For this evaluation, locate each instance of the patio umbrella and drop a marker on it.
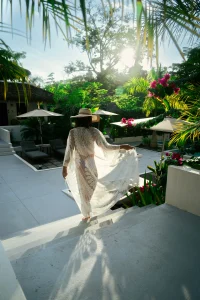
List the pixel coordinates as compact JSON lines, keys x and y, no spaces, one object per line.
{"x":102,"y":112}
{"x":37,"y":113}
{"x":168,"y":125}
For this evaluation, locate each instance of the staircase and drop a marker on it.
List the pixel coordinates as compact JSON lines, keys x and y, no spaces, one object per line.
{"x":6,"y":148}
{"x":138,"y":253}
{"x":22,"y":250}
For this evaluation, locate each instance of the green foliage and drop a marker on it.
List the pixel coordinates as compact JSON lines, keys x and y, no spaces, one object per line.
{"x":146,"y":141}
{"x":160,"y":171}
{"x":128,"y":102}
{"x":136,"y":86}
{"x":151,"y":106}
{"x":10,"y":67}
{"x":149,"y":193}
{"x":189,"y":70}
{"x":78,"y":94}
{"x":31,"y":129}
{"x":190,"y":95}
{"x":132,"y":95}
{"x":193,"y":163}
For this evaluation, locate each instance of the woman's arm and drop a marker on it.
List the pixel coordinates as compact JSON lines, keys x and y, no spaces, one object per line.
{"x":68,"y":153}
{"x":101,"y":142}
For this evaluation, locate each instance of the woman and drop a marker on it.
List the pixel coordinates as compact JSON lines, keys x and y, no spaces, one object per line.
{"x":98,"y":174}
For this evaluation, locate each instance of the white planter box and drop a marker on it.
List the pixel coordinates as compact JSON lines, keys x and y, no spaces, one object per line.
{"x":183,"y":189}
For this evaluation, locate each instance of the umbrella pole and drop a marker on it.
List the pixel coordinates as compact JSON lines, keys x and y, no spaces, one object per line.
{"x":163,"y":145}
{"x":40,"y":130}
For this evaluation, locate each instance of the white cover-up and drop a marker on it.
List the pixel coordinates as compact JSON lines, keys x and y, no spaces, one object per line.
{"x":99,"y":173}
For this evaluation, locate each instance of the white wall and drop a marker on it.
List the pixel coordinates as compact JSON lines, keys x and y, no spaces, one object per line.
{"x":183,"y":189}
{"x":4,"y":135}
{"x":15,"y":131}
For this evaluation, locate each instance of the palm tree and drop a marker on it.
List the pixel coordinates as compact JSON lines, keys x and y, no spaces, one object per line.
{"x":190,"y":131}
{"x":62,"y":12}
{"x":155,"y":20}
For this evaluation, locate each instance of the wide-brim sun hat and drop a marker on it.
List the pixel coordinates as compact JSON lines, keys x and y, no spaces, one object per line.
{"x":86,"y":112}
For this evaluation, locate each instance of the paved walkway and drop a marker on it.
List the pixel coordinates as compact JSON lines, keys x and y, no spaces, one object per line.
{"x":29,"y":198}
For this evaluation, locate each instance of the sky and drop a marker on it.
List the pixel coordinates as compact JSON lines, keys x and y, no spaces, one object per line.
{"x":42,"y":61}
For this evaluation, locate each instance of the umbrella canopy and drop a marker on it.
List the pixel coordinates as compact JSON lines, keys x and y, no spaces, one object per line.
{"x":104,"y":113}
{"x":39,"y":113}
{"x":168,"y":125}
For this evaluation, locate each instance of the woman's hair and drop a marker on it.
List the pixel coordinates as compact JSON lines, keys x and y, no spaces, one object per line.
{"x":83,"y":122}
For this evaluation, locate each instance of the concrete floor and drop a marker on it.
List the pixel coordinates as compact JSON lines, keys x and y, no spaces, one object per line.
{"x":29,"y":199}
{"x":150,"y":255}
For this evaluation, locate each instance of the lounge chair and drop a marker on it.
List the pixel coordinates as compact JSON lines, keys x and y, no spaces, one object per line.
{"x":58,"y":146}
{"x":30,"y":150}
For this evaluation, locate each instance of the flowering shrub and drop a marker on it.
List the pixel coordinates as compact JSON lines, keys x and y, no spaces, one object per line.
{"x":127,"y":121}
{"x":161,"y":87}
{"x":149,"y":193}
{"x":174,"y":159}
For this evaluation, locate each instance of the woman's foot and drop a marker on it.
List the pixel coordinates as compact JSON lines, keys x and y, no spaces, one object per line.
{"x":85,"y":218}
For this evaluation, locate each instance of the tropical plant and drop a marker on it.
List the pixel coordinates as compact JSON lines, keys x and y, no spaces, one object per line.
{"x":191,"y":130}
{"x":149,"y":193}
{"x":30,"y":130}
{"x":161,"y":168}
{"x":61,"y":12}
{"x":161,"y":90}
{"x":161,"y":20}
{"x":193,"y":163}
{"x":10,"y":66}
{"x":133,"y":94}
{"x":189,"y":70}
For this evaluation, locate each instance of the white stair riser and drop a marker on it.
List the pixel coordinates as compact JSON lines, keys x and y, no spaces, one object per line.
{"x":6,"y":149}
{"x":6,"y":153}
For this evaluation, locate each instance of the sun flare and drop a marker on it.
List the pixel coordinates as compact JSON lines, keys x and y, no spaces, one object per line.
{"x":127,"y":57}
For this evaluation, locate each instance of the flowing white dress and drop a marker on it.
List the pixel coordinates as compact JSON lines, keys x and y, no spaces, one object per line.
{"x":99,"y":173}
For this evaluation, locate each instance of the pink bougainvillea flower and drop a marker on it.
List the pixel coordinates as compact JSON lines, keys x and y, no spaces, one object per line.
{"x":153,"y":184}
{"x":153,"y":84}
{"x":129,"y":122}
{"x":167,"y":76}
{"x":131,"y":119}
{"x":176,"y":90}
{"x":163,"y":81}
{"x":150,"y":94}
{"x":167,"y":154}
{"x":123,"y":120}
{"x":180,"y":161}
{"x":176,"y":156}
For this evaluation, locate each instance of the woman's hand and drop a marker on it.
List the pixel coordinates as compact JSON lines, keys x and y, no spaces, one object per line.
{"x":64,"y":172}
{"x":126,"y":147}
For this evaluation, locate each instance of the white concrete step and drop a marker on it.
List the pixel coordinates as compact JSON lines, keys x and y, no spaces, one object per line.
{"x":6,"y":149}
{"x":7,"y":153}
{"x":10,"y":288}
{"x":62,"y":230}
{"x":59,"y":269}
{"x":4,"y":144}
